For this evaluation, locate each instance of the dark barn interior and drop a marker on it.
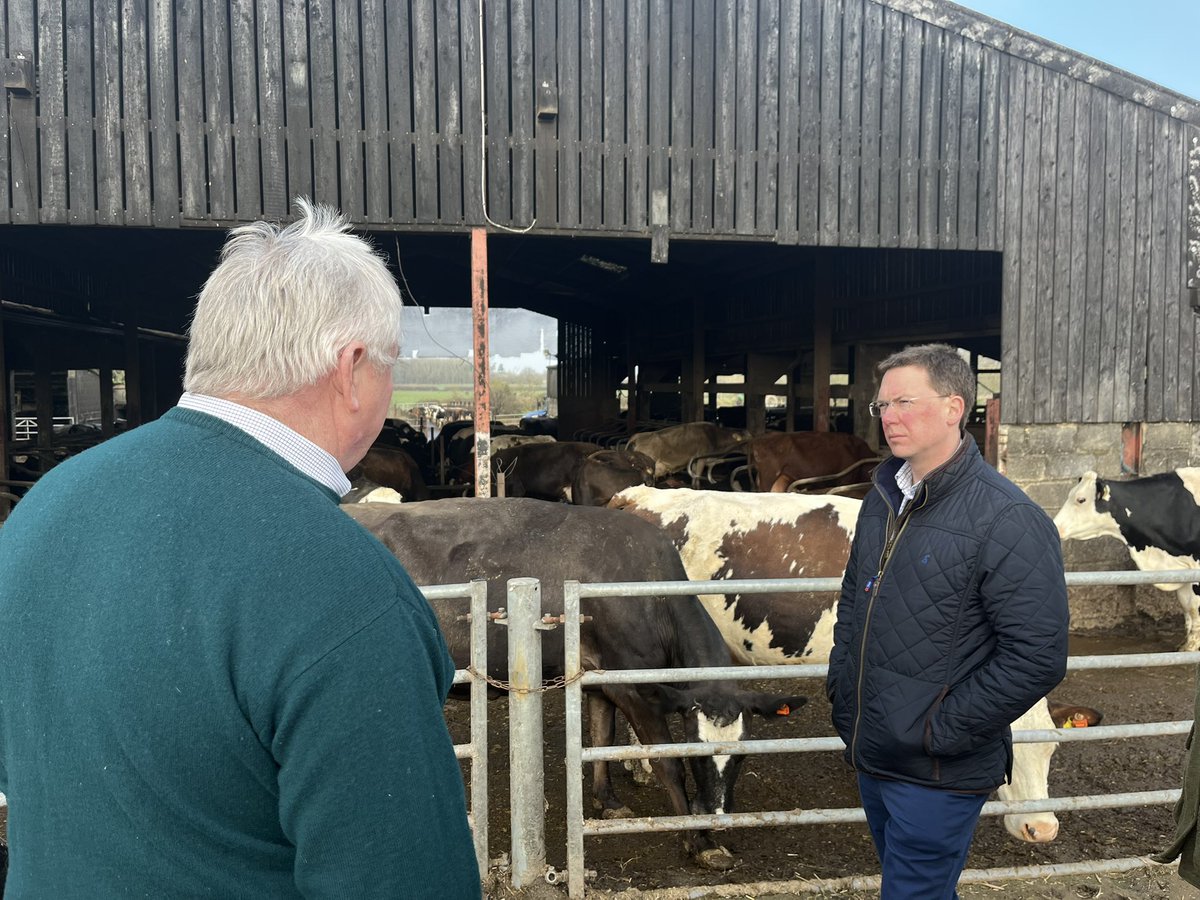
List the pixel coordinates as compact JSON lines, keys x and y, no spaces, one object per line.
{"x":108,"y":299}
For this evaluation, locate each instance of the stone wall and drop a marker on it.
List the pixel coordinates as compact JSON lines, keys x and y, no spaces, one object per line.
{"x":1047,"y":460}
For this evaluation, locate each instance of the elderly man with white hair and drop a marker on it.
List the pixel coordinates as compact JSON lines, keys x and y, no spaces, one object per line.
{"x":212,"y":681}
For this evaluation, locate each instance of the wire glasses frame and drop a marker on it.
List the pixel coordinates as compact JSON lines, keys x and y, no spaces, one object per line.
{"x":902,"y":405}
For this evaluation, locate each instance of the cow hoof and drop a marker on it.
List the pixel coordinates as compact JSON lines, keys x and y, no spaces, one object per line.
{"x":643,"y":777}
{"x":716,"y":858}
{"x":623,"y":812}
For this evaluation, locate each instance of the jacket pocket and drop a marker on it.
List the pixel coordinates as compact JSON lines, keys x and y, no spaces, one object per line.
{"x":893,"y":723}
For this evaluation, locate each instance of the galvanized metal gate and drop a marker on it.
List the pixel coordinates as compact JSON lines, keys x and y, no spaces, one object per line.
{"x":526,"y":622}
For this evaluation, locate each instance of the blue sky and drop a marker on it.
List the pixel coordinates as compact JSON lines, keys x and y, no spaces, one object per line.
{"x":1156,"y":39}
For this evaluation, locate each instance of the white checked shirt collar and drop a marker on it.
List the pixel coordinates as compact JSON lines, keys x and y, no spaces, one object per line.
{"x":904,"y":481}
{"x":274,"y":435}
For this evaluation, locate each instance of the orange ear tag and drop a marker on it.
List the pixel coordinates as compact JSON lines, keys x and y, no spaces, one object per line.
{"x":784,"y":710}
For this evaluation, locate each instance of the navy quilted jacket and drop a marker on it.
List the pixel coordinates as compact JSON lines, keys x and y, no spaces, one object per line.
{"x":946,"y":639}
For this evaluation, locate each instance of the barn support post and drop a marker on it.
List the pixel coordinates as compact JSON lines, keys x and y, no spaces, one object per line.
{"x":5,"y":419}
{"x":863,"y":386}
{"x":693,"y":375}
{"x":107,"y":417}
{"x":43,"y":396}
{"x":822,"y":343}
{"x":133,"y":376}
{"x":525,"y":741}
{"x":483,"y":384}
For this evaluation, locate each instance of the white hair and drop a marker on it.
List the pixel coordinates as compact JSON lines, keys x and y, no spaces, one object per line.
{"x":284,"y":301}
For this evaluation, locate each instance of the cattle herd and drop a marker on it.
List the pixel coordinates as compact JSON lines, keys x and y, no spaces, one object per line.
{"x":784,"y":507}
{"x":605,"y":507}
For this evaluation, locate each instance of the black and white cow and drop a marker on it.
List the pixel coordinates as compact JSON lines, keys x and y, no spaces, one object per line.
{"x":1157,"y":517}
{"x":450,"y":541}
{"x":771,"y":535}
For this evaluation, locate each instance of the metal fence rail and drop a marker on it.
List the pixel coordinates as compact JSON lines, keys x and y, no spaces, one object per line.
{"x":576,"y":755}
{"x":476,"y":749}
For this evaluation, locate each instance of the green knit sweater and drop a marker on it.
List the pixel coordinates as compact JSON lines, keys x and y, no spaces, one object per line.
{"x":213,"y":683}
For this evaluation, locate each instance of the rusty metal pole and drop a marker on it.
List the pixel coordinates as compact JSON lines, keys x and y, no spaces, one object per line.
{"x":483,"y":385}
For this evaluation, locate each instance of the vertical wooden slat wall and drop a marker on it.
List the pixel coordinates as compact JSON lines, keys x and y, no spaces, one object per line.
{"x":864,"y":123}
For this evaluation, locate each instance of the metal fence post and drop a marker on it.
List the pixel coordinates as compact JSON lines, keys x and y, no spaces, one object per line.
{"x":479,"y":723}
{"x":525,"y":740}
{"x":574,"y":726}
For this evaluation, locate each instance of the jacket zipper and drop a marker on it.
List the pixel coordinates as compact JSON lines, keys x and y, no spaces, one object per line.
{"x":888,"y":546}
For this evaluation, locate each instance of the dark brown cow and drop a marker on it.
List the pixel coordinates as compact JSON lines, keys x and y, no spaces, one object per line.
{"x":448,"y":541}
{"x":541,"y":471}
{"x":779,"y":459}
{"x":389,"y":467}
{"x":606,"y":472}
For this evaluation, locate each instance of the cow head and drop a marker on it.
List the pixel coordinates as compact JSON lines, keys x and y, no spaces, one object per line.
{"x":1031,"y":769}
{"x":718,"y":712}
{"x":1085,"y":513}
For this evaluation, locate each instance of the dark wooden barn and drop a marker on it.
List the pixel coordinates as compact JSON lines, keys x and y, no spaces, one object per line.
{"x":776,"y":188}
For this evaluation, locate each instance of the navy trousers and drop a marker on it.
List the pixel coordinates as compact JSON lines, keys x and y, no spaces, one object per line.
{"x":922,"y":836}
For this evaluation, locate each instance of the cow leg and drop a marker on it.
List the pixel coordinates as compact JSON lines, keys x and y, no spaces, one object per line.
{"x":602,"y":718}
{"x":651,"y":728}
{"x":641,"y":769}
{"x":1190,"y":601}
{"x":781,"y":483}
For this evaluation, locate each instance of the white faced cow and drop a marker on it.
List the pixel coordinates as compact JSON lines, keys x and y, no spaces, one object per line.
{"x":735,"y":535}
{"x":1156,"y":517}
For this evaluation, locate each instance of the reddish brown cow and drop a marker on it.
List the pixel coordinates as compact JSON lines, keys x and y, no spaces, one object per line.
{"x":389,"y":467}
{"x":779,"y":459}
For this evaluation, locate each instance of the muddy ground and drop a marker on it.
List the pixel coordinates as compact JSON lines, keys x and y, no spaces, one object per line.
{"x":649,"y":862}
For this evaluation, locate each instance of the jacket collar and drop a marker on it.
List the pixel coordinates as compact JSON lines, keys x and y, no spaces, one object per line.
{"x":937,"y":483}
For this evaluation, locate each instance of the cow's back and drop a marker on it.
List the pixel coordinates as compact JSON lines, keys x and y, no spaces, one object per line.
{"x":806,"y":454}
{"x":749,"y":536}
{"x":458,"y":540}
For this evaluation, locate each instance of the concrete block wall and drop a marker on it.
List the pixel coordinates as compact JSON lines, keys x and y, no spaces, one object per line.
{"x":1047,"y":460}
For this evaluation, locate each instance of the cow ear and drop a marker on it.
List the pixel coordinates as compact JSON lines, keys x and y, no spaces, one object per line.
{"x":770,"y":705}
{"x":1077,"y":716}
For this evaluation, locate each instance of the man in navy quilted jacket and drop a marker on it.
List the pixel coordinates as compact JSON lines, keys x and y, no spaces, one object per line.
{"x":952,"y":622}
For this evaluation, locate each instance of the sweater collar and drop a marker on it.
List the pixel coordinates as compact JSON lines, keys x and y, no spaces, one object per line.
{"x":296,"y":449}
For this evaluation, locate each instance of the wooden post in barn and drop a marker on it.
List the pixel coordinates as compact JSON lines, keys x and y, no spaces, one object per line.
{"x":107,"y":419}
{"x":693,"y":410}
{"x":43,"y":398}
{"x":991,"y":432}
{"x":864,"y":385}
{"x":133,"y":377}
{"x":822,"y":345}
{"x":5,"y":419}
{"x":483,"y":384}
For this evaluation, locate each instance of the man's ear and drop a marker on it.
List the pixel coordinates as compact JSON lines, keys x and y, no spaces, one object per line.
{"x":957,"y":415}
{"x":349,"y":361}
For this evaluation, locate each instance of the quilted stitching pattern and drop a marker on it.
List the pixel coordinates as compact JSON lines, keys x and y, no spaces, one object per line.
{"x":972,"y":604}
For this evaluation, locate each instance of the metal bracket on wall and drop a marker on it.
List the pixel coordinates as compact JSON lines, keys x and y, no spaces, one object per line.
{"x":18,"y":73}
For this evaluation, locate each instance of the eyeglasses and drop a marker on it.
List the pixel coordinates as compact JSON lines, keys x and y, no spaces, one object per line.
{"x":901,"y":405}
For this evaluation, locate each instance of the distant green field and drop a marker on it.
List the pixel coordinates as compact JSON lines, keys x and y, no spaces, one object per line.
{"x":406,"y":397}
{"x":508,"y":399}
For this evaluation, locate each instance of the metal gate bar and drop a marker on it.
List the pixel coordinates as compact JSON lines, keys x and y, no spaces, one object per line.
{"x":578,"y":828}
{"x":476,"y":749}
